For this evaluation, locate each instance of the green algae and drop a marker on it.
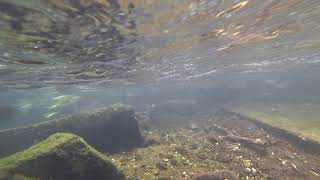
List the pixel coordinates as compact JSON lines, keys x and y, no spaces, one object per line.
{"x":72,"y":149}
{"x":36,"y":150}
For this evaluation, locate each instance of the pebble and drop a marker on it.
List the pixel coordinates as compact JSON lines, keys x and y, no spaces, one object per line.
{"x":184,"y":174}
{"x":156,"y":172}
{"x":247,"y":170}
{"x":253,"y":170}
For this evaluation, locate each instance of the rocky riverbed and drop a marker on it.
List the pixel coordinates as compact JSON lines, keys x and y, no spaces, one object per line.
{"x":217,"y":145}
{"x":222,"y":144}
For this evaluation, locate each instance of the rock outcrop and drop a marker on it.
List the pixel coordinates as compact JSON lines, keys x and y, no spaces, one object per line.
{"x":112,"y":129}
{"x":61,"y":156}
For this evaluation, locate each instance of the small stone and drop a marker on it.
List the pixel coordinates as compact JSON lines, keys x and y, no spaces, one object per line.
{"x":156,"y":172}
{"x":253,"y":170}
{"x":165,"y":160}
{"x":247,"y":170}
{"x":184,"y":174}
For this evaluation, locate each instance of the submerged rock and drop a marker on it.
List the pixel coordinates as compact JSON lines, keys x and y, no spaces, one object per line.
{"x":61,"y":156}
{"x":217,"y":175}
{"x":110,"y":129}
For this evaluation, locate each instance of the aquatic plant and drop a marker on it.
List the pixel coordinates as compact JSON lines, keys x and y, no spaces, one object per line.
{"x":178,"y":157}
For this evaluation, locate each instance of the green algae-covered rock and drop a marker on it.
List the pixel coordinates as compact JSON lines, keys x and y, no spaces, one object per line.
{"x":111,"y":129}
{"x":61,"y":156}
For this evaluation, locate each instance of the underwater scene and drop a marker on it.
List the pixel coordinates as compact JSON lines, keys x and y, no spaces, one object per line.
{"x":159,"y":89}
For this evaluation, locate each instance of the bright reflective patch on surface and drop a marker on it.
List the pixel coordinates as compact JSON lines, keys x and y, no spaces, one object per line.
{"x":233,"y":8}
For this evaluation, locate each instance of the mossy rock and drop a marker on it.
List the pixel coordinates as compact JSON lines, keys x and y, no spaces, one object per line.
{"x":111,"y":129}
{"x":61,"y":156}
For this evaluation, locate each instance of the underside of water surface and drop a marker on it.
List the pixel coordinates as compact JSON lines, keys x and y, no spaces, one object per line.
{"x":217,"y":89}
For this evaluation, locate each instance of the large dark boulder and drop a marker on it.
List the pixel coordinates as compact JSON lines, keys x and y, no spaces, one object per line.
{"x":61,"y":156}
{"x":110,"y":129}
